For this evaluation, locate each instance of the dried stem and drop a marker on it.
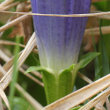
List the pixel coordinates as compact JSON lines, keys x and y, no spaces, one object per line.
{"x":9,"y":6}
{"x":4,"y":97}
{"x":4,"y":42}
{"x":29,"y":98}
{"x":88,"y":32}
{"x":61,"y":15}
{"x":5,"y":3}
{"x":96,"y":100}
{"x":23,"y":68}
{"x":81,"y":95}
{"x":6,"y":58}
{"x":1,"y":105}
{"x":12,"y":23}
{"x":95,"y":31}
{"x":7,"y":78}
{"x":100,"y":104}
{"x":85,"y":78}
{"x":108,"y":104}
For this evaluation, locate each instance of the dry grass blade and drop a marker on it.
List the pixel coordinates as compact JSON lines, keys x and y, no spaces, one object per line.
{"x":3,"y":96}
{"x":29,"y":47}
{"x":88,"y":32}
{"x":2,"y":70}
{"x":4,"y":56}
{"x":1,"y":105}
{"x":31,"y":100}
{"x":7,"y":20}
{"x":108,"y":104}
{"x":85,"y":78}
{"x":10,"y":63}
{"x":107,"y":17}
{"x":60,"y":15}
{"x":95,"y":101}
{"x":12,"y":23}
{"x":4,"y":42}
{"x":100,"y":105}
{"x":95,"y":31}
{"x":10,"y":6}
{"x":81,"y":95}
{"x":37,"y":74}
{"x":4,"y":3}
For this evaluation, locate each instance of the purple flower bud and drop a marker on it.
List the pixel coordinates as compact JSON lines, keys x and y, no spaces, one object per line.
{"x":59,"y":38}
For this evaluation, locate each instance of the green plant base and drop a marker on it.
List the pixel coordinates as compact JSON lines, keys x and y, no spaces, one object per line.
{"x":58,"y":85}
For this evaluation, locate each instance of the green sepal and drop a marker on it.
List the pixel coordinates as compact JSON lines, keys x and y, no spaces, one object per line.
{"x":38,"y":68}
{"x":56,"y":85}
{"x":66,"y":79}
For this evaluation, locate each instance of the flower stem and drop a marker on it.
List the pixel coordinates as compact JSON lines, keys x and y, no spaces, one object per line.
{"x":57,"y":86}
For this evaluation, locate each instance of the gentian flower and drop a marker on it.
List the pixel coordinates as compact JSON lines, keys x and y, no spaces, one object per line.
{"x":59,"y":38}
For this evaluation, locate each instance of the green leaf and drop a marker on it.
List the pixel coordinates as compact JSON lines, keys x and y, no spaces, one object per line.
{"x":21,"y":104}
{"x":105,"y":60}
{"x":98,"y":67}
{"x":15,"y":74}
{"x":76,"y":108}
{"x":38,"y":68}
{"x":1,"y":1}
{"x":86,"y":59}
